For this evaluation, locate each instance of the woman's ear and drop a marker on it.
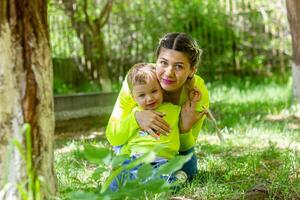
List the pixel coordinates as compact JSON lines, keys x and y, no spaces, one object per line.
{"x":192,"y":72}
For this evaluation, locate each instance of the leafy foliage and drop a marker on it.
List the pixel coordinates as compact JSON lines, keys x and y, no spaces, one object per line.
{"x":148,"y":182}
{"x":237,"y":37}
{"x":29,"y":187}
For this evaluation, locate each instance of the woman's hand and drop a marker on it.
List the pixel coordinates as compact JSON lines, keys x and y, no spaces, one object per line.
{"x":152,"y":122}
{"x":195,"y":95}
{"x":188,"y":115}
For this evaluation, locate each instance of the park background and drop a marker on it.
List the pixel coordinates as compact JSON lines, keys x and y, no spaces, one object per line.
{"x":101,"y":42}
{"x":246,"y":64}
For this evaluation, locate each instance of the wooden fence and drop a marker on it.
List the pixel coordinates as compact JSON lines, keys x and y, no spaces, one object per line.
{"x":237,"y":36}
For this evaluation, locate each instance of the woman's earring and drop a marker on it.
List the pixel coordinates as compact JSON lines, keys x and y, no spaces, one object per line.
{"x":190,"y":77}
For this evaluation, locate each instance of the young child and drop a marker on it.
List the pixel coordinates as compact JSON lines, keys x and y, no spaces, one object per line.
{"x":147,"y":93}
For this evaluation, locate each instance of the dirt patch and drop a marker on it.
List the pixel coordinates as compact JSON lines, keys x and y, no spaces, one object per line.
{"x":293,"y":121}
{"x":76,"y":128}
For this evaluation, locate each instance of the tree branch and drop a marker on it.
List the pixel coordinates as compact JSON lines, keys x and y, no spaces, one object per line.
{"x":87,"y":17}
{"x":104,"y":15}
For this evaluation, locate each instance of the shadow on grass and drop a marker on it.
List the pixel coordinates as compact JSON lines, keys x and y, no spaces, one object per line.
{"x":229,"y":168}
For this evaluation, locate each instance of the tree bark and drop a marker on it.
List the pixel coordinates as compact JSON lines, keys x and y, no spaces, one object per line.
{"x":293,"y":13}
{"x":26,"y":94}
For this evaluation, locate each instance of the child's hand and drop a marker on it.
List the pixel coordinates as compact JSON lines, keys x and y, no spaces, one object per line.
{"x":149,"y":120}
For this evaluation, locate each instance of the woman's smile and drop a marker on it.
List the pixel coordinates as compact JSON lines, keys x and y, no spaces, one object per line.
{"x":167,"y":81}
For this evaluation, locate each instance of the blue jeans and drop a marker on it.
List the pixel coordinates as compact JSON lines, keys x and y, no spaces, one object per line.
{"x":190,"y":167}
{"x":124,"y":176}
{"x":132,"y":174}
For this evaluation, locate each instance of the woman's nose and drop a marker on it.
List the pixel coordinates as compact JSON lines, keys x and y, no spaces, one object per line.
{"x":169,"y":70}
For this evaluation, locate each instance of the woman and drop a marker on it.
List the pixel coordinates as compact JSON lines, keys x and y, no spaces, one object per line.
{"x":177,"y":58}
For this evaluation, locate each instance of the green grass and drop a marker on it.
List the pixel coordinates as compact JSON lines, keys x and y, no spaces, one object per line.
{"x":261,"y":147}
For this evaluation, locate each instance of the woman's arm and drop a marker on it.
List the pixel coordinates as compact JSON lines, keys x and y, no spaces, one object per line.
{"x":189,"y":116}
{"x":152,"y":122}
{"x":192,"y":116}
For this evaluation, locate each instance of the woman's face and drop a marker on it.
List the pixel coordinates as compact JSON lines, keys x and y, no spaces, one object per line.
{"x":173,"y":69}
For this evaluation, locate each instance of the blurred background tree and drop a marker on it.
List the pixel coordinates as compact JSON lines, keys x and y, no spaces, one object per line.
{"x":293,"y":8}
{"x":88,"y":19}
{"x":241,"y":37}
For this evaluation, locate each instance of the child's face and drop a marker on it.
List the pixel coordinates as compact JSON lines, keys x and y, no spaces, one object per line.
{"x":148,"y":96}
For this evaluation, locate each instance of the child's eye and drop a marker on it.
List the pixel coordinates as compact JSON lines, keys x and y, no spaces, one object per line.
{"x":141,"y":95}
{"x":153,"y":91}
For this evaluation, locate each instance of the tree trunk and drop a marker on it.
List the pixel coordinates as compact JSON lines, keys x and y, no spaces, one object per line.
{"x":104,"y":78}
{"x":293,"y":13}
{"x":94,"y":51}
{"x":26,"y":95}
{"x":90,"y":32}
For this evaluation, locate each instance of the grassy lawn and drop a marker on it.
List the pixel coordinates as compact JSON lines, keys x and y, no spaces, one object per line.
{"x":260,"y":151}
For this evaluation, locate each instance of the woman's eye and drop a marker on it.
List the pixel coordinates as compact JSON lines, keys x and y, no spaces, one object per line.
{"x":163,"y":62}
{"x":141,"y":95}
{"x":153,"y":91}
{"x":178,"y":67}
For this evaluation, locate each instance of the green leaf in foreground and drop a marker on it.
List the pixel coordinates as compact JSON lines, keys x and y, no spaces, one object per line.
{"x":119,"y":160}
{"x":97,"y":155}
{"x":81,"y":195}
{"x":145,"y":171}
{"x":173,"y":165}
{"x":156,"y":185}
{"x":146,"y":158}
{"x":98,"y":173}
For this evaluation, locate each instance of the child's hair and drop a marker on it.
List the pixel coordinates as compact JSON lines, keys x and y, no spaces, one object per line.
{"x":140,"y":73}
{"x":183,"y":43}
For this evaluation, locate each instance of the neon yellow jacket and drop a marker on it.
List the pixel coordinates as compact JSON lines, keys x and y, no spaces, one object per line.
{"x":123,"y":116}
{"x":139,"y":142}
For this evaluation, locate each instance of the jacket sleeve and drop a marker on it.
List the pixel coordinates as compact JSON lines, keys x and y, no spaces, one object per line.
{"x":188,"y":139}
{"x":122,"y":121}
